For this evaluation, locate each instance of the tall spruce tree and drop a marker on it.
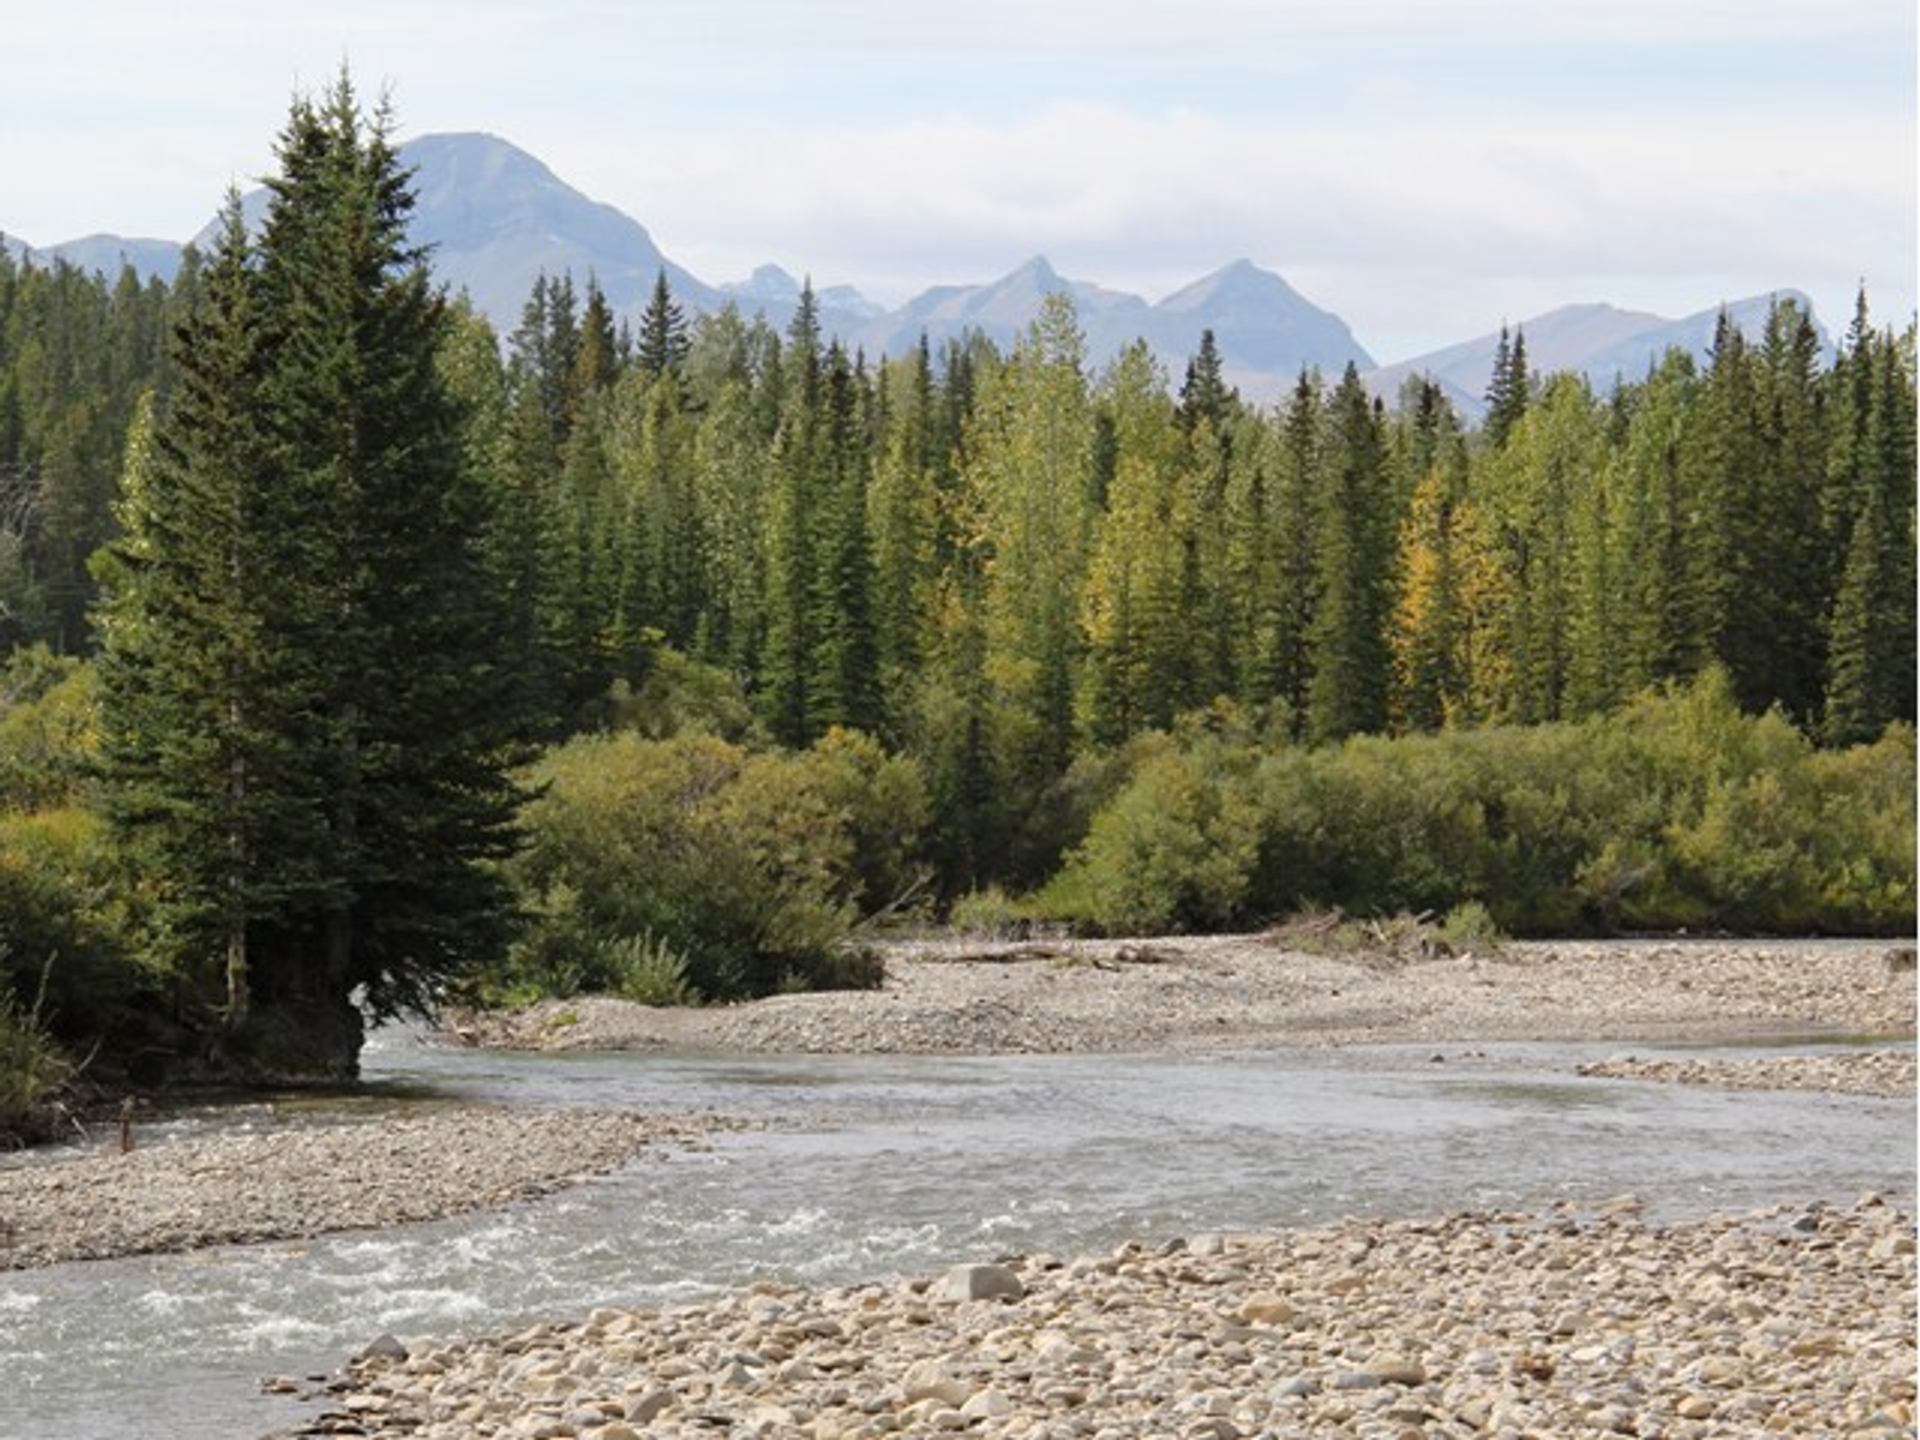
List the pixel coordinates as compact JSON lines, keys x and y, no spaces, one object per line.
{"x":354,"y":791}
{"x":1507,"y":388}
{"x":205,"y":728}
{"x":1871,"y":655}
{"x":844,"y":685}
{"x":663,"y":343}
{"x":798,"y":459}
{"x":1347,"y":694}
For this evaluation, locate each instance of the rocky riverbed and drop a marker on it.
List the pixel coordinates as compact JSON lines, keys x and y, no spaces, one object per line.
{"x":1860,"y":1072}
{"x":1791,"y":1322}
{"x":955,"y":996}
{"x":299,"y":1179}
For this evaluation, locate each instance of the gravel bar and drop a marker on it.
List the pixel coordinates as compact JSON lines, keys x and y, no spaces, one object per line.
{"x":1241,"y":992}
{"x":1866,"y":1072}
{"x":1566,"y":1325}
{"x":306,"y":1179}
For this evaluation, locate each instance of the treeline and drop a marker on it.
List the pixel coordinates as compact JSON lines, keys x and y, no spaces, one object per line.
{"x":902,"y":546}
{"x":999,"y":565}
{"x":77,"y":351}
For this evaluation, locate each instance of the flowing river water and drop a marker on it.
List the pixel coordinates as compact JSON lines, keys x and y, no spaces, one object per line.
{"x":883,"y":1165}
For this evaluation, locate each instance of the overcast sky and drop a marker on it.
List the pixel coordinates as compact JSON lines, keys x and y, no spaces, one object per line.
{"x":1423,"y":169}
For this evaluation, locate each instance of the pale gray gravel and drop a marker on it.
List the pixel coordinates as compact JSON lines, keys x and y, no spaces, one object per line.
{"x":954,"y":996}
{"x":1792,"y":1323}
{"x":299,"y":1179}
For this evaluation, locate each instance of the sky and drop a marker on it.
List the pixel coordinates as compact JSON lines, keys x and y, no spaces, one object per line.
{"x":1425,"y":170}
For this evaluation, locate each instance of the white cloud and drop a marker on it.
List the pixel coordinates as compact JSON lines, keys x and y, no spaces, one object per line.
{"x":1383,"y":218}
{"x":1420,"y":168}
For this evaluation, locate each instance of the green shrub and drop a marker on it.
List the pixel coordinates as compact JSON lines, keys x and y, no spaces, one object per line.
{"x":646,"y":969}
{"x":64,"y":951}
{"x":753,"y":867}
{"x":1470,"y":929}
{"x":1173,"y":851}
{"x":681,"y":696}
{"x":990,"y":914}
{"x":883,"y":801}
{"x":47,"y":729}
{"x":1679,"y":811}
{"x":31,"y":1067}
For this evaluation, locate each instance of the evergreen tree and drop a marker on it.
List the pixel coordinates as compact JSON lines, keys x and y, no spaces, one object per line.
{"x":204,"y":729}
{"x":332,"y":801}
{"x":1871,"y":654}
{"x":596,"y":363}
{"x":1656,"y":524}
{"x":1137,"y":610}
{"x":1347,"y":694}
{"x":904,"y":519}
{"x":1301,"y":446}
{"x":1508,"y":388}
{"x":798,"y":459}
{"x":663,"y":344}
{"x":844,"y":686}
{"x":1204,"y":394}
{"x":1789,"y":591}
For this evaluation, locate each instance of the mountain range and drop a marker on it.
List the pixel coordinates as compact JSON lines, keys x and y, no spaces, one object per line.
{"x":496,"y":217}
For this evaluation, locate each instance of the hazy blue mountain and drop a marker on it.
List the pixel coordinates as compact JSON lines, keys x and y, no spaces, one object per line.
{"x":1601,"y":342}
{"x":1266,"y":330}
{"x":106,"y":253}
{"x":1630,"y":359}
{"x":845,"y":300}
{"x":496,"y":218}
{"x":774,"y":293}
{"x":1000,"y":309}
{"x":767,"y":285}
{"x":1562,"y":339}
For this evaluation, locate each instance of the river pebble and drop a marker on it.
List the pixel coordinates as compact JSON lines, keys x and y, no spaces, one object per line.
{"x":1200,"y":993}
{"x":1868,"y":1072}
{"x":300,"y":1179}
{"x":1734,"y":1326}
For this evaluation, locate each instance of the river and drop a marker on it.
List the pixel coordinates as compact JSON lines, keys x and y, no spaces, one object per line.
{"x":878,"y":1165}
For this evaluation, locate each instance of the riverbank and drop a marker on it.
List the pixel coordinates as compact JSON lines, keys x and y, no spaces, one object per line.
{"x":298,"y":1179}
{"x":1565,"y":1324}
{"x":1189,"y":994}
{"x":1860,"y":1072}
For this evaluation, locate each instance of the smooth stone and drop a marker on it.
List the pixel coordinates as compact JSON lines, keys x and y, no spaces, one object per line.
{"x":987,"y":1405}
{"x":386,"y":1347}
{"x":978,"y":1282}
{"x":930,"y":1380}
{"x":643,"y":1408}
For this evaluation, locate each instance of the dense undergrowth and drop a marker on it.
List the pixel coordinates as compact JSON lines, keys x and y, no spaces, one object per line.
{"x":664,"y":862}
{"x":1678,"y":812}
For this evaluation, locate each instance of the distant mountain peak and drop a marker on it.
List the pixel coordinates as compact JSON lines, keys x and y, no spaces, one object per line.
{"x":1037,"y":269}
{"x":1241,"y":280}
{"x":494,"y":216}
{"x":768,"y":282}
{"x":1603,"y":342}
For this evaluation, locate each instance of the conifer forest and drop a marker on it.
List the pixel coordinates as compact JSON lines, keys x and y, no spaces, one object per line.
{"x":351,"y":649}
